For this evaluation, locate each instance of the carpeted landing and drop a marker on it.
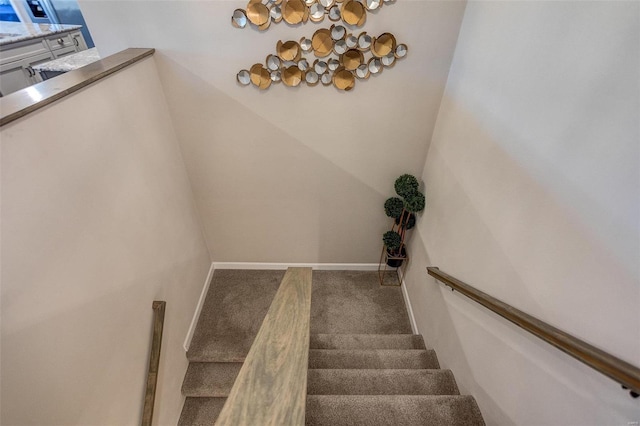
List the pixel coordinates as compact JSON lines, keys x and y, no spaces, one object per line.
{"x":365,"y":366}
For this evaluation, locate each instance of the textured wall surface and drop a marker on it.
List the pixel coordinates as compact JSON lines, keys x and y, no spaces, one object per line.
{"x":533,"y":196}
{"x":97,"y":222}
{"x":291,"y":174}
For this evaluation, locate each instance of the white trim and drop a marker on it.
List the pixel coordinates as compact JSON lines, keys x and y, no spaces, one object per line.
{"x":316,"y":266}
{"x":407,"y":302}
{"x":196,"y":314}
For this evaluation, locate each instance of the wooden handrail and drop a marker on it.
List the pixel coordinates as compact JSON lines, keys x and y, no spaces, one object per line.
{"x":154,"y":362}
{"x":621,"y":371}
{"x":25,"y":101}
{"x":271,"y":388}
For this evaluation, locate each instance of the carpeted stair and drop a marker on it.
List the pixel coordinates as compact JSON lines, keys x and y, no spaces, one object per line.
{"x":382,"y":380}
{"x":234,"y":308}
{"x":374,"y":372}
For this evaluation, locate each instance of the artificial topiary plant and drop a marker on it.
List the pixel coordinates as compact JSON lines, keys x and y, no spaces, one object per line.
{"x":415,"y":202}
{"x":406,"y":185}
{"x":392,"y":240}
{"x":393,"y":207}
{"x":402,"y":210}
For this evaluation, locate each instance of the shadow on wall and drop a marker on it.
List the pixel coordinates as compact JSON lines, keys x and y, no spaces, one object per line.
{"x":52,"y":360}
{"x":436,"y":324}
{"x":490,"y":222}
{"x":265,"y":196}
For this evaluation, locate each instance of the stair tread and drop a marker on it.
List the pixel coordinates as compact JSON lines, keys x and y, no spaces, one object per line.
{"x":200,"y":411}
{"x":381,"y":382}
{"x":210,"y":379}
{"x":397,"y":410}
{"x":366,"y":341}
{"x":233,"y":310}
{"x":373,"y":358}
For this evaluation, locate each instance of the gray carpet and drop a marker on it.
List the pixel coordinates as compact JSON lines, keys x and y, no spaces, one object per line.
{"x":392,"y":410}
{"x":354,"y":302}
{"x":381,"y":382}
{"x":365,"y":366}
{"x":232,"y":314}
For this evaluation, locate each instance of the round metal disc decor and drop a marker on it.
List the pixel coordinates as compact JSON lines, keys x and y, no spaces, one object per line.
{"x":333,"y":64}
{"x":316,"y":13}
{"x":311,"y":78}
{"x":352,"y":59}
{"x":260,"y":77}
{"x":265,"y":26}
{"x":239,"y":18}
{"x":343,"y":80}
{"x":276,"y":76}
{"x":326,"y":79}
{"x":372,"y":4}
{"x":294,"y":11}
{"x":352,"y":41}
{"x":322,"y":43}
{"x":273,"y":63}
{"x":276,"y":13}
{"x":334,"y":13}
{"x":338,"y":32}
{"x":362,"y":72}
{"x":288,"y":51}
{"x":326,"y":3}
{"x":375,"y":66}
{"x":353,"y":13}
{"x":305,"y":44}
{"x":340,"y":47}
{"x":309,"y":2}
{"x":292,"y":76}
{"x":401,"y":51}
{"x":383,"y":45}
{"x":320,"y":67}
{"x":389,"y":60}
{"x":303,"y":64}
{"x":364,"y":41}
{"x":257,"y":13}
{"x":244,"y":77}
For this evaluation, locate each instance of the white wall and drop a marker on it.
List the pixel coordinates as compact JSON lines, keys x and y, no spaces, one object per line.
{"x":288,"y":175}
{"x":97,"y":222}
{"x":533,"y":196}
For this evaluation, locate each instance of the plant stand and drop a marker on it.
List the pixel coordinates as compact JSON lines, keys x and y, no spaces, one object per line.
{"x":384,"y":269}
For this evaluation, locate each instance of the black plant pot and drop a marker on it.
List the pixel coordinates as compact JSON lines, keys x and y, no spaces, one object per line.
{"x":395,"y":260}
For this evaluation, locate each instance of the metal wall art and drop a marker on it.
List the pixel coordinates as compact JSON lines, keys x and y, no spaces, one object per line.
{"x":261,"y":14}
{"x":342,"y":58}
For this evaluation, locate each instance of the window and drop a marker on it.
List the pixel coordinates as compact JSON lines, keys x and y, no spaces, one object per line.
{"x":7,"y":13}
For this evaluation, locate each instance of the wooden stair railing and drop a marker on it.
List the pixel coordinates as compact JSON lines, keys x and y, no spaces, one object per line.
{"x":621,"y":371}
{"x":271,"y":387}
{"x":154,"y":362}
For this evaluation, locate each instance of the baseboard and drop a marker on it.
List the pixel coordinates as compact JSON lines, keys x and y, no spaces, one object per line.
{"x":407,"y":302}
{"x":315,"y":266}
{"x":196,"y":314}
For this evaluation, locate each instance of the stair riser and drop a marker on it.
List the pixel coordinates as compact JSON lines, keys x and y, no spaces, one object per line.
{"x":366,"y":341}
{"x":396,"y":410}
{"x":369,"y":359}
{"x":210,"y":379}
{"x":381,"y":382}
{"x":201,"y":411}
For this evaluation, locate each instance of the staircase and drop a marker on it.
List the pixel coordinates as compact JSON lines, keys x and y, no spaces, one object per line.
{"x":365,"y":368}
{"x":357,"y":379}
